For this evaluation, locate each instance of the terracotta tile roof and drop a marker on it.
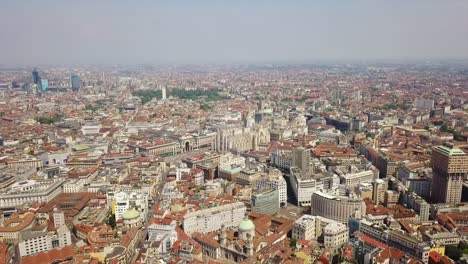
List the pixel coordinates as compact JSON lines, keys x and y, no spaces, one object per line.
{"x":70,"y":203}
{"x":389,"y":254}
{"x":17,"y":222}
{"x":205,"y":239}
{"x":50,"y":256}
{"x":370,"y":241}
{"x":436,"y":257}
{"x":4,"y":255}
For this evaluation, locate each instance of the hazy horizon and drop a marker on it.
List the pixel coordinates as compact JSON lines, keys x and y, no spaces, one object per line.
{"x":193,"y":32}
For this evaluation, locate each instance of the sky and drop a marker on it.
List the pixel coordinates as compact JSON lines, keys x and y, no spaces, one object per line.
{"x":40,"y":32}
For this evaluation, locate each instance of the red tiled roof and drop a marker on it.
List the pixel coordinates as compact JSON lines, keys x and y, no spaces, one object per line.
{"x":436,"y":257}
{"x":370,"y":241}
{"x":4,"y":256}
{"x":50,"y":256}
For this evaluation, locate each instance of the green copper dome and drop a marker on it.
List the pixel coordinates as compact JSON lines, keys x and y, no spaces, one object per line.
{"x":131,"y":214}
{"x":246,"y":225}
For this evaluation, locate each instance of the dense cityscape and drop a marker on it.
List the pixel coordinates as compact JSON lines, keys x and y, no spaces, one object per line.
{"x":222,"y":132}
{"x":329,"y":163}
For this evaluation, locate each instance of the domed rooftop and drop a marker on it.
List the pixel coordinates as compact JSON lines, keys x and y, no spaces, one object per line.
{"x":131,"y":214}
{"x":246,"y":225}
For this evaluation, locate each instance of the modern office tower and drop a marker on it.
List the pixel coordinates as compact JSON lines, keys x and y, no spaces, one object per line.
{"x":75,"y":82}
{"x":450,"y":168}
{"x":275,"y":181}
{"x":37,"y":80}
{"x":163,"y":92}
{"x":35,"y":77}
{"x":44,"y":84}
{"x":301,"y":160}
{"x":266,"y":201}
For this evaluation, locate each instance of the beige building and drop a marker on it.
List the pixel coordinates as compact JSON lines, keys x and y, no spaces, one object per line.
{"x":337,"y":208}
{"x":391,"y":198}
{"x":211,"y":219}
{"x":335,"y":235}
{"x":304,"y":228}
{"x":10,"y":230}
{"x":364,"y":191}
{"x":301,"y":159}
{"x":310,"y":227}
{"x":379,"y":187}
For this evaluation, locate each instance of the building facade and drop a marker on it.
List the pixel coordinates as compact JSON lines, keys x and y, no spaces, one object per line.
{"x":211,"y":219}
{"x":39,"y":192}
{"x":450,"y":169}
{"x":337,"y":208}
{"x":266,"y":201}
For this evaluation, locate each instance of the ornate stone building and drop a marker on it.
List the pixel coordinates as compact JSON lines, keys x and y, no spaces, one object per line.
{"x":241,"y":139}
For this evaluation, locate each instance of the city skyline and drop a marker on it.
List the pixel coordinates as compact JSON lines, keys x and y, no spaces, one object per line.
{"x":189,"y":132}
{"x":181,"y":32}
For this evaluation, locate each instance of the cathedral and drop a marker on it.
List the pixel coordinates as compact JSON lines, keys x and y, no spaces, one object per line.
{"x":241,"y":139}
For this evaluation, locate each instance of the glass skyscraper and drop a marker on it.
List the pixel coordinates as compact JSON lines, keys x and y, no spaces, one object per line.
{"x":75,"y":82}
{"x":44,"y":84}
{"x":35,"y":77}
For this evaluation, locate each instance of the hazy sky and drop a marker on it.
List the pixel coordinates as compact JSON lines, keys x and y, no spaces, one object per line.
{"x":222,"y":31}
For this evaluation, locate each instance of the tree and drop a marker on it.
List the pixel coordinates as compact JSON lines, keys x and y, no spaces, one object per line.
{"x":49,"y":120}
{"x":453,"y":252}
{"x":91,"y":108}
{"x":111,"y":221}
{"x":147,"y":95}
{"x":205,"y":107}
{"x":211,"y":95}
{"x":293,"y":243}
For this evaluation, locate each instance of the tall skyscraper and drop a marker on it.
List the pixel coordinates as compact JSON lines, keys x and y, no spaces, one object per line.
{"x":44,"y":84}
{"x":163,"y":92}
{"x":36,"y":78}
{"x":301,"y":160}
{"x":75,"y":82}
{"x":449,"y":168}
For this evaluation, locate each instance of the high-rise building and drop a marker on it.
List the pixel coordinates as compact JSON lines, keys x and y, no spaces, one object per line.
{"x":44,"y":84}
{"x":75,"y":82}
{"x":163,"y":92}
{"x":59,"y":218}
{"x":301,"y":160}
{"x":450,"y":168}
{"x":36,"y":79}
{"x":379,"y":186}
{"x":266,"y":201}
